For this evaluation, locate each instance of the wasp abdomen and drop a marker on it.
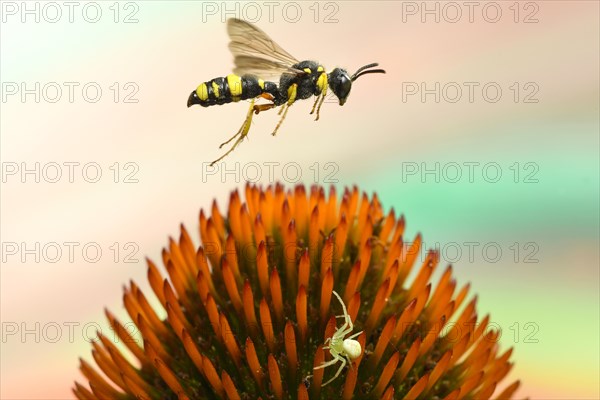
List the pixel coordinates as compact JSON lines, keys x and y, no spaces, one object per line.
{"x":227,"y":89}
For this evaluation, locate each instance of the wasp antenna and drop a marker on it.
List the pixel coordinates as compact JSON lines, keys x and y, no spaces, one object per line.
{"x":365,"y":70}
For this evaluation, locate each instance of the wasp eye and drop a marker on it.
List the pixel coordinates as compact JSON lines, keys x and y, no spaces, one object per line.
{"x":340,"y":84}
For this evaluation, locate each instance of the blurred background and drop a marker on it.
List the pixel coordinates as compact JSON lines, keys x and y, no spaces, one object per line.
{"x":483,"y":133}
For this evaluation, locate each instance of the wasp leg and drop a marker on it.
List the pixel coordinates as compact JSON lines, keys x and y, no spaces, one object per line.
{"x":315,"y":105}
{"x":323,"y":94}
{"x":284,"y":109}
{"x":263,"y":107}
{"x":242,"y":133}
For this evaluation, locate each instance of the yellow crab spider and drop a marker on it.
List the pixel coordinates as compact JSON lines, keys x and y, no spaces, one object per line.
{"x":341,"y":349}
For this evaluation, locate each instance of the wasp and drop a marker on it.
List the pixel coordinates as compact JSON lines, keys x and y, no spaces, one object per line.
{"x":257,"y":56}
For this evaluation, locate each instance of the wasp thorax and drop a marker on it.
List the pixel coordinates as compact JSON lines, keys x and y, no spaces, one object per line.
{"x":340,"y":83}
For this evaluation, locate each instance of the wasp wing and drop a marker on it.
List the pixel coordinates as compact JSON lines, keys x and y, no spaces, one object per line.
{"x":255,"y":53}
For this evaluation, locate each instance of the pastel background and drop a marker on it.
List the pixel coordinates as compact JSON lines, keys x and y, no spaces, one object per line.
{"x":542,"y":213}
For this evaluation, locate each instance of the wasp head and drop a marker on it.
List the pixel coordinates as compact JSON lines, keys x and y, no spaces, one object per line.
{"x":341,"y":83}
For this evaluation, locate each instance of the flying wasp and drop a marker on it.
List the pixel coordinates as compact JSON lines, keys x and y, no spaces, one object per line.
{"x":257,"y":56}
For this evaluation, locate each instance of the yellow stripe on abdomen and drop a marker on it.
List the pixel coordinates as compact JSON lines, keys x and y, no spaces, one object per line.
{"x":235,"y":85}
{"x":202,"y":92}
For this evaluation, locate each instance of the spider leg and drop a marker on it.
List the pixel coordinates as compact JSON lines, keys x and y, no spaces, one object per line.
{"x":355,"y":335}
{"x":330,"y":362}
{"x":339,"y":371}
{"x":348,"y":322}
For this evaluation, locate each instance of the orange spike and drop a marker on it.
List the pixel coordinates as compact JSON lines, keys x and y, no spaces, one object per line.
{"x":267,"y":324}
{"x":486,"y":392}
{"x":417,"y":388}
{"x":205,"y":270}
{"x":367,"y":231}
{"x":424,"y":274}
{"x":231,"y":257}
{"x":362,"y":216}
{"x":213,"y":316}
{"x":301,"y":209}
{"x":276,"y":297}
{"x":393,"y":256}
{"x":235,"y":223}
{"x":253,"y":362}
{"x":382,"y":342}
{"x":404,"y":321}
{"x":341,"y":236}
{"x":314,"y":238}
{"x":213,"y":378}
{"x":202,"y":226}
{"x":399,"y":229}
{"x":231,"y":287}
{"x":156,"y":281}
{"x":378,"y":304}
{"x":174,"y":321}
{"x":246,"y":224}
{"x":172,"y":299}
{"x":202,"y":286}
{"x":431,"y":337}
{"x":249,"y":312}
{"x":326,"y":292}
{"x":97,"y":380}
{"x":107,"y":366}
{"x":365,"y":259}
{"x":275,"y":377}
{"x":266,"y":209}
{"x":213,"y":247}
{"x":352,"y":283}
{"x":263,"y":268}
{"x":509,"y":391}
{"x":168,"y":376}
{"x":230,"y":342}
{"x":229,"y":387}
{"x":392,"y":275}
{"x":421,"y":301}
{"x":192,"y":351}
{"x":251,"y":200}
{"x":327,"y":256}
{"x":301,"y":316}
{"x":353,"y":306}
{"x":386,"y":375}
{"x":352,"y":375}
{"x":286,"y":214}
{"x":304,"y":270}
{"x":331,"y":216}
{"x":302,"y":392}
{"x":330,"y":327}
{"x":289,"y":252}
{"x":150,"y":338}
{"x":177,"y":278}
{"x":409,"y":258}
{"x":471,"y":384}
{"x":387,"y":226}
{"x":259,"y":230}
{"x":409,"y":360}
{"x":453,"y":395}
{"x":389,"y":394}
{"x":126,"y":338}
{"x":188,"y":250}
{"x":290,"y":349}
{"x":218,"y":220}
{"x":83,"y":394}
{"x":178,"y":260}
{"x":317,"y":373}
{"x":155,"y":322}
{"x":439,"y":369}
